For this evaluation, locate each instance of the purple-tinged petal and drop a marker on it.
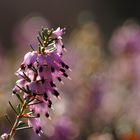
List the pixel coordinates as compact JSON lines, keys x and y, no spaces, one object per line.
{"x":19,"y":83}
{"x":29,"y":58}
{"x":58,"y":32}
{"x":36,"y":124}
{"x":59,"y":46}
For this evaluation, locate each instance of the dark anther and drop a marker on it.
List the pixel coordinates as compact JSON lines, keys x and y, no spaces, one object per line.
{"x":39,"y":128}
{"x":59,"y":79}
{"x":63,"y":64}
{"x":45,"y":96}
{"x":52,"y":69}
{"x":49,"y":103}
{"x":37,"y":131}
{"x":62,"y":70}
{"x":56,"y":93}
{"x":34,"y":94}
{"x":45,"y":65}
{"x":14,"y":91}
{"x":33,"y":110}
{"x":38,"y":115}
{"x":22,"y":66}
{"x":41,"y":69}
{"x":30,"y":65}
{"x":23,"y":89}
{"x":47,"y":114}
{"x":43,"y":80}
{"x":28,"y":89}
{"x":52,"y":84}
{"x":65,"y":74}
{"x":66,"y":66}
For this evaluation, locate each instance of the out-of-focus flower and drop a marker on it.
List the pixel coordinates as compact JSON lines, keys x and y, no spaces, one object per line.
{"x":85,"y":43}
{"x":120,"y":97}
{"x":104,"y":136}
{"x":131,"y":136}
{"x":64,"y":129}
{"x":126,"y":39}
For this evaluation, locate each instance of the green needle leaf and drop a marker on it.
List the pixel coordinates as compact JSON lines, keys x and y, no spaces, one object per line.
{"x":6,"y":116}
{"x":12,"y":107}
{"x":18,"y":109}
{"x":21,"y":123}
{"x":22,"y":128}
{"x":20,"y":99}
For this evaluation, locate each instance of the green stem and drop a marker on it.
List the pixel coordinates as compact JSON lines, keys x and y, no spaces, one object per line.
{"x":13,"y":130}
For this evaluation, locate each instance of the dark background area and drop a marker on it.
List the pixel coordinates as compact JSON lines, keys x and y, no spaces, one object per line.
{"x":107,"y":13}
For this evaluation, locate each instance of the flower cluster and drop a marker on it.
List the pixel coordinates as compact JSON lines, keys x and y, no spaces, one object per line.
{"x":37,"y":75}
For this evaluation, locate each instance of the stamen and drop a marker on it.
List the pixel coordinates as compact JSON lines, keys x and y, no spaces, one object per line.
{"x":49,"y":103}
{"x":22,"y":66}
{"x":63,"y":64}
{"x":45,"y":96}
{"x":30,"y":65}
{"x":52,"y":69}
{"x":65,"y":74}
{"x":62,"y":70}
{"x":38,"y":115}
{"x":47,"y":114}
{"x":43,"y":80}
{"x":66,"y":66}
{"x":52,"y":84}
{"x":41,"y":69}
{"x":56,"y":93}
{"x":60,"y":80}
{"x":37,"y":131}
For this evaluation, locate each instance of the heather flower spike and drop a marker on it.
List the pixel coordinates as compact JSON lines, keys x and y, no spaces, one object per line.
{"x":36,"y":81}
